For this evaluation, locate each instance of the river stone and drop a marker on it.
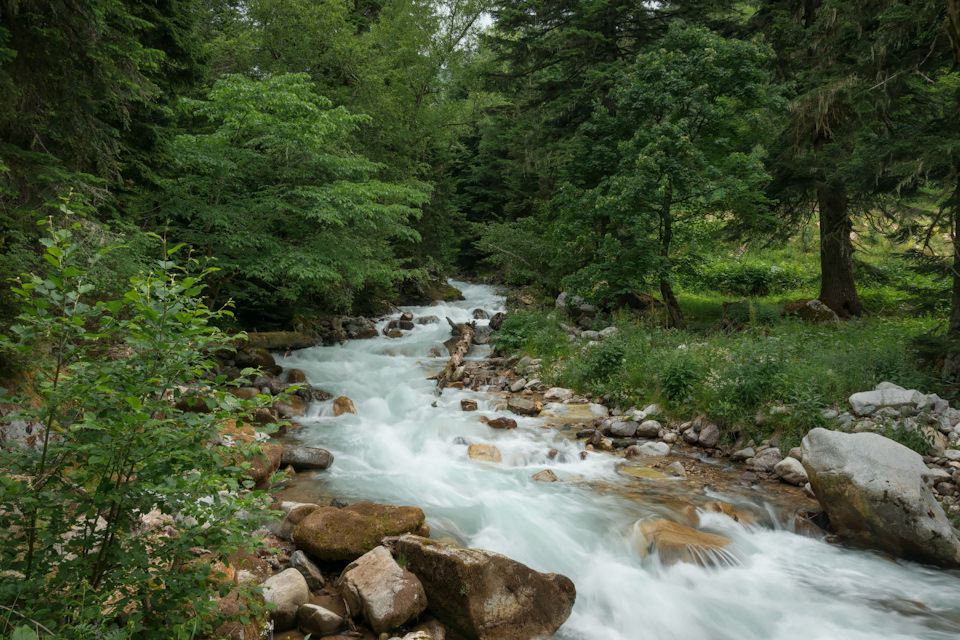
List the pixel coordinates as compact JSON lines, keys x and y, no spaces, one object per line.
{"x":766,"y":460}
{"x":484,"y":453}
{"x":262,"y":465}
{"x":791,"y":470}
{"x":623,"y":429}
{"x":296,"y":376}
{"x":885,"y":398}
{"x":558,"y":393}
{"x":346,"y":534}
{"x":306,"y":458}
{"x":386,"y":594}
{"x":545,"y":476}
{"x":875,"y":493}
{"x":294,"y":516}
{"x":483,"y":595}
{"x":649,"y":429}
{"x":678,"y":543}
{"x":502,"y":423}
{"x":743,"y":454}
{"x":288,"y":590}
{"x":318,"y":620}
{"x":343,"y":405}
{"x":653,"y":449}
{"x":518,"y":385}
{"x":523,"y":407}
{"x":573,"y":412}
{"x":709,"y":435}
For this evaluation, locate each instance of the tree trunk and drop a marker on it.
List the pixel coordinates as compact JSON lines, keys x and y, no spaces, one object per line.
{"x":674,"y":314}
{"x":837,"y":288}
{"x":951,"y":365}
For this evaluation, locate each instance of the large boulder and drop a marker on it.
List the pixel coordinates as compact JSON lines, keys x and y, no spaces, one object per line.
{"x":288,"y":590}
{"x":383,"y":592}
{"x":346,"y":534}
{"x":875,"y":493}
{"x":486,"y":596}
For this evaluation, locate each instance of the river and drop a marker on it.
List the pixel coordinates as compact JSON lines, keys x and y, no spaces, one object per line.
{"x":400,"y":449}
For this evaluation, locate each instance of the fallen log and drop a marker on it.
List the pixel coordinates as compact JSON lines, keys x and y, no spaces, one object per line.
{"x":457,"y":353}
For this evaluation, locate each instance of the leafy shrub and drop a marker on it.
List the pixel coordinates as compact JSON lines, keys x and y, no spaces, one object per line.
{"x":533,"y":332}
{"x":111,"y":448}
{"x":749,"y":278}
{"x":678,"y":376}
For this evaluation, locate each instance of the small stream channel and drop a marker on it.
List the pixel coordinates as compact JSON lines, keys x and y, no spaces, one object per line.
{"x":399,"y":449}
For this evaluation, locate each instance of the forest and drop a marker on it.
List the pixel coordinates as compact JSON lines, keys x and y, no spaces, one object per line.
{"x":691,"y":172}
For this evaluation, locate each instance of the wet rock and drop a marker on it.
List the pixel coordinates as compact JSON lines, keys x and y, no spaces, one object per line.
{"x":406,"y":325}
{"x":792,"y":471}
{"x":306,"y":458}
{"x":709,"y":436}
{"x":468,"y":405}
{"x":502,"y":423}
{"x":343,"y":405}
{"x":307,"y":569}
{"x":678,"y":543}
{"x":393,"y":333}
{"x":287,"y":590}
{"x":480,"y":314}
{"x":546,"y":475}
{"x":743,"y":454}
{"x":319,"y":621}
{"x":484,"y":453}
{"x":727,"y":509}
{"x":523,"y":406}
{"x":296,"y":376}
{"x":383,"y":592}
{"x":346,"y":534}
{"x":486,"y":596}
{"x":875,"y":493}
{"x":677,"y":468}
{"x":428,"y":320}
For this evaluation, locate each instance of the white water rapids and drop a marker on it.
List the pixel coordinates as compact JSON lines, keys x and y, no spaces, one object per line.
{"x":401,"y":450}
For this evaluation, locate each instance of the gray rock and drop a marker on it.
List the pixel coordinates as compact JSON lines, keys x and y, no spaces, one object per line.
{"x":791,"y":470}
{"x":766,"y":460}
{"x":573,"y":412}
{"x":652,"y":410}
{"x":590,"y":335}
{"x":623,"y":429}
{"x":518,"y":385}
{"x":386,"y":594}
{"x":657,"y":449}
{"x":288,"y":590}
{"x":302,"y":563}
{"x":709,"y":435}
{"x":523,"y":406}
{"x":677,"y":468}
{"x":743,"y":454}
{"x":670,"y":437}
{"x":558,"y":394}
{"x":691,"y":436}
{"x":885,"y":398}
{"x":649,"y":429}
{"x":609,"y":331}
{"x":952,"y":454}
{"x":796,"y":453}
{"x":318,"y":621}
{"x":875,"y":493}
{"x":306,"y":458}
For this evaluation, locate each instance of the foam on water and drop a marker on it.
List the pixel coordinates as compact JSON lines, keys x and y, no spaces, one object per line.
{"x":399,"y":449}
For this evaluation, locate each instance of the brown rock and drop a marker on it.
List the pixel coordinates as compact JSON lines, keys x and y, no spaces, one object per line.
{"x":486,"y":596}
{"x":468,"y":405}
{"x":503,"y":423}
{"x":296,"y":376}
{"x":263,"y":464}
{"x":346,"y":534}
{"x":524,"y":407}
{"x":484,"y":453}
{"x":545,"y":476}
{"x":731,"y":511}
{"x":343,"y":405}
{"x":677,"y":543}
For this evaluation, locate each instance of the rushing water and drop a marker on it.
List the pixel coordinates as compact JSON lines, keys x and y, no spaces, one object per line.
{"x":401,"y":449}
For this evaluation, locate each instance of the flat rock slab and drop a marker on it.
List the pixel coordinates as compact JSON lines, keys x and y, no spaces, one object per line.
{"x":866,"y":402}
{"x":678,"y":543}
{"x":573,"y":412}
{"x":483,"y":595}
{"x":329,"y":533}
{"x":875,"y":493}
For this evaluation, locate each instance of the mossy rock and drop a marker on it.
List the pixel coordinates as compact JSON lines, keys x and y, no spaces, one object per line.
{"x":335,"y":534}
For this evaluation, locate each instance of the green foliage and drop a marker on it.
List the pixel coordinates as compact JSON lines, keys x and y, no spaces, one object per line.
{"x":678,"y":376}
{"x":532,"y":332}
{"x":751,"y":278}
{"x":920,"y":440}
{"x":111,"y":446}
{"x":276,"y":195}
